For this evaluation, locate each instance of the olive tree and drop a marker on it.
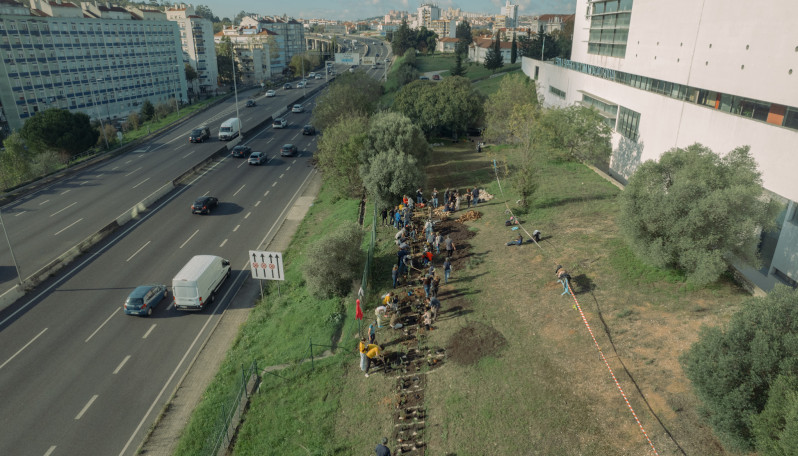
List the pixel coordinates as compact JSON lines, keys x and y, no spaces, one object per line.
{"x":336,"y":262}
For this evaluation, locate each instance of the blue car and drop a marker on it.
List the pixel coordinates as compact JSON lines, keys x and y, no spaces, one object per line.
{"x":144,"y":299}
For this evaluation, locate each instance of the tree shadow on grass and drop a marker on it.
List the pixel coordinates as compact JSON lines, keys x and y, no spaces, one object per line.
{"x":574,"y":199}
{"x":582,"y":284}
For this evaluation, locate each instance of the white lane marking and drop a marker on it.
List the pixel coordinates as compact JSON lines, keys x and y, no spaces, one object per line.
{"x":149,"y":331}
{"x":119,"y":367}
{"x":242,"y":164}
{"x":145,"y":180}
{"x":295,"y":136}
{"x":100,"y":175}
{"x":137,"y":251}
{"x":23,"y":348}
{"x":44,"y":202}
{"x":50,"y":451}
{"x":267,"y":193}
{"x":281,"y":176}
{"x":247,"y":216}
{"x":137,"y":169}
{"x":86,"y":407}
{"x":223,"y":243}
{"x":101,"y":326}
{"x":274,"y":184}
{"x":236,"y":228}
{"x":257,"y":203}
{"x":127,"y":162}
{"x":20,"y":213}
{"x":289,"y":167}
{"x":293,"y":161}
{"x":67,"y":227}
{"x":241,"y":188}
{"x":84,"y":183}
{"x":184,"y":156}
{"x":66,"y":191}
{"x":189,"y":238}
{"x":114,"y":168}
{"x":59,"y":211}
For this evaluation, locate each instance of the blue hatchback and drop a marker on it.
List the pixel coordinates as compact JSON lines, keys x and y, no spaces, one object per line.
{"x":144,"y":299}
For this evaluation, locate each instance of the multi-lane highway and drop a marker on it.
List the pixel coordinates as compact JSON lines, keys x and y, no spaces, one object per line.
{"x":77,"y":375}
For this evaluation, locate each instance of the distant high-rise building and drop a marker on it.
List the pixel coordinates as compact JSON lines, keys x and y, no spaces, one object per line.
{"x":425,"y":14}
{"x":510,"y":12}
{"x":196,"y":38}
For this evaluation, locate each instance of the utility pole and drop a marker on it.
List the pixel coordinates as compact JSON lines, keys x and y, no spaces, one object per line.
{"x":235,"y":88}
{"x":542,"y":47}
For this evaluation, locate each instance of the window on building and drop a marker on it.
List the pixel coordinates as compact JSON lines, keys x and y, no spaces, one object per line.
{"x":607,"y":110}
{"x":791,"y":119}
{"x":628,"y":123}
{"x":609,"y":27}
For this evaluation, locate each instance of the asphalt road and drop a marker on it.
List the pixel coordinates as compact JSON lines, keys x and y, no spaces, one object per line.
{"x":77,"y":375}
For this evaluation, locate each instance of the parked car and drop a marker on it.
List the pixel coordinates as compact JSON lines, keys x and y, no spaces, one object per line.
{"x":297,"y":108}
{"x":199,"y":134}
{"x":204,"y":204}
{"x":279,"y":123}
{"x":436,"y":77}
{"x":250,"y":103}
{"x":271,"y":93}
{"x":287,"y":85}
{"x":288,"y":150}
{"x":257,"y":158}
{"x":424,"y":78}
{"x":308,"y":130}
{"x":142,"y":300}
{"x":241,"y":151}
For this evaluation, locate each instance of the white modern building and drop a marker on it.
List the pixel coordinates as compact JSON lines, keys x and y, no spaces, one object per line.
{"x":425,"y":14}
{"x":723,"y":73}
{"x":253,"y":50}
{"x":287,"y":36}
{"x":510,"y":12}
{"x":98,"y":59}
{"x":196,"y":38}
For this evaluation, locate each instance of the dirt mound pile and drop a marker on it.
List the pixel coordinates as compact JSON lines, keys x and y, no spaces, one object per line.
{"x":469,"y":216}
{"x":473,"y":342}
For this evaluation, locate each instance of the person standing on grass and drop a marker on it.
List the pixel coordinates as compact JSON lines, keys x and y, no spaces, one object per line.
{"x":475,"y":196}
{"x":435,"y":198}
{"x":450,"y":247}
{"x":427,"y":283}
{"x":468,"y":198}
{"x":364,"y":363}
{"x":384,"y":215}
{"x":381,"y":449}
{"x":395,"y":274}
{"x":434,"y":306}
{"x":372,"y":334}
{"x":419,"y":196}
{"x":397,"y":217}
{"x":457,"y":201}
{"x":447,"y":270}
{"x":438,"y":242}
{"x":433,"y":290}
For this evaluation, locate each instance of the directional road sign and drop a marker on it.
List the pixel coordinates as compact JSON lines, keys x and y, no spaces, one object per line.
{"x":266,"y":265}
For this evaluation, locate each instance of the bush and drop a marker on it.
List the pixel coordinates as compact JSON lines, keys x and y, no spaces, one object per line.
{"x":334,"y":262}
{"x":733,"y":371}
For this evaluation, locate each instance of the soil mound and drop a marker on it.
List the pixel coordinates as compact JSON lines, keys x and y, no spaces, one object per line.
{"x":473,"y":342}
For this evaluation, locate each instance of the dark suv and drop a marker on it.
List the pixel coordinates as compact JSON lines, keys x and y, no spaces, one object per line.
{"x":199,"y":135}
{"x":204,"y":204}
{"x":308,"y":130}
{"x":288,"y":150}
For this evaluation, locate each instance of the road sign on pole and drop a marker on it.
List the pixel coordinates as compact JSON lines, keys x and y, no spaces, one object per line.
{"x":266,"y":265}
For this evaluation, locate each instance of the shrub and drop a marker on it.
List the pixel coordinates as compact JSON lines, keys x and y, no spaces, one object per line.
{"x":334,"y":262}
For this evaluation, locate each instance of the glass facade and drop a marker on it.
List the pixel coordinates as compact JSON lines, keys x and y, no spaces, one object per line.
{"x":609,"y":27}
{"x":628,"y":122}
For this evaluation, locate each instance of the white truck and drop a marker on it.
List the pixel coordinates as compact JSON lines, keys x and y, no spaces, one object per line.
{"x":230,"y":129}
{"x":198,"y":282}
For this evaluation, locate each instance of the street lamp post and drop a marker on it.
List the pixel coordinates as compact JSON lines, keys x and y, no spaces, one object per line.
{"x":97,"y":111}
{"x":177,"y":91}
{"x":13,"y":258}
{"x":235,"y":87}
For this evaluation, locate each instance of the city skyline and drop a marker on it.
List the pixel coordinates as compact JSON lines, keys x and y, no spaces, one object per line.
{"x":356,"y":10}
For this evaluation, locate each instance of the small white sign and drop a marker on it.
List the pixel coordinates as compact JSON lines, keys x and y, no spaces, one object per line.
{"x":266,"y":265}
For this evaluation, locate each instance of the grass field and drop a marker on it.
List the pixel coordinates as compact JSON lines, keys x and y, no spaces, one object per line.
{"x":540,"y":386}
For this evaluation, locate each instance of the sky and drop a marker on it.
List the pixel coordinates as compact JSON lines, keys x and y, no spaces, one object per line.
{"x":361,"y":9}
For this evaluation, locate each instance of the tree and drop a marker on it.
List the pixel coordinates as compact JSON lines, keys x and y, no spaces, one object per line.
{"x":514,"y":51}
{"x":395,"y":133}
{"x":15,"y":161}
{"x":575,"y":133}
{"x":336,"y":262}
{"x":458,"y":69}
{"x":349,"y":95}
{"x":494,"y":59}
{"x":402,"y":39}
{"x":735,"y":370}
{"x":389,"y":175}
{"x":300,"y":62}
{"x":463,"y":35}
{"x":241,"y":15}
{"x":205,"y":11}
{"x":531,"y":46}
{"x":224,"y":60}
{"x":147,"y":111}
{"x":564,"y":39}
{"x":59,"y":130}
{"x":191,"y":73}
{"x":447,"y":107}
{"x":692,"y":209}
{"x":424,"y":40}
{"x":339,"y":153}
{"x":511,"y":111}
{"x":776,"y":428}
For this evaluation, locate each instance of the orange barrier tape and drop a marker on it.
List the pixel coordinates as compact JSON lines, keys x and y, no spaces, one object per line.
{"x":584,"y":319}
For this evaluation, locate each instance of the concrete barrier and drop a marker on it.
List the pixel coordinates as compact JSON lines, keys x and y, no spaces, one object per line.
{"x":10,"y":296}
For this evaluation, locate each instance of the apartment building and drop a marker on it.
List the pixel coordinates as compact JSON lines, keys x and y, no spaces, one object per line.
{"x":671,"y":74}
{"x":196,"y":39}
{"x":510,"y":13}
{"x":253,"y":51}
{"x":287,"y":34}
{"x":425,"y":14}
{"x":97,"y":59}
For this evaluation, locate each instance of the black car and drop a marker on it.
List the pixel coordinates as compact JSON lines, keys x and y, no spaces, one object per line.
{"x":287,"y":85}
{"x":199,"y":135}
{"x":204,"y":204}
{"x":250,"y":103}
{"x":240,"y":152}
{"x":288,"y":150}
{"x":308,"y":130}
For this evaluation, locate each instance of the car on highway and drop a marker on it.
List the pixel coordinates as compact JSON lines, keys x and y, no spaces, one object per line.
{"x":240,"y":151}
{"x":311,"y":75}
{"x":258,"y":158}
{"x":250,"y":103}
{"x":300,"y":85}
{"x":204,"y":204}
{"x":279,"y":123}
{"x":288,"y":150}
{"x":309,"y":130}
{"x":142,"y":300}
{"x":377,"y":54}
{"x":374,"y":67}
{"x":287,"y":85}
{"x":387,"y":59}
{"x":271,"y":93}
{"x":298,"y":108}
{"x":318,"y":76}
{"x":199,"y":134}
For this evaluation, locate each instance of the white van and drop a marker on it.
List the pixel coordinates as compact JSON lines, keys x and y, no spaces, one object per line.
{"x":230,"y":129}
{"x":198,"y":282}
